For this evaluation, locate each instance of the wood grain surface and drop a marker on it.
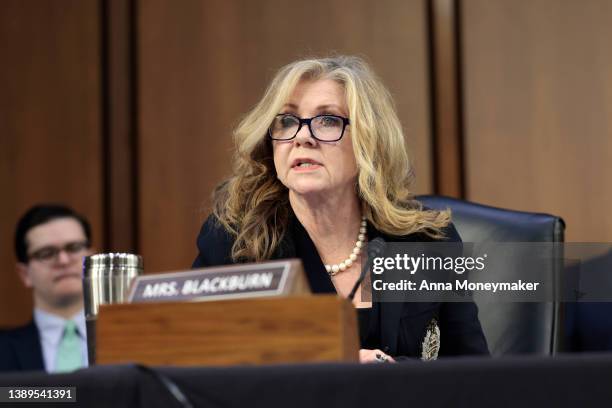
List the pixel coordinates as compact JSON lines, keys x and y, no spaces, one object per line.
{"x":255,"y":331}
{"x":538,"y":106}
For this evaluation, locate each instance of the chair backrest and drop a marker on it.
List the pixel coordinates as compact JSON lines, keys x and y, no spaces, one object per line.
{"x":519,"y":327}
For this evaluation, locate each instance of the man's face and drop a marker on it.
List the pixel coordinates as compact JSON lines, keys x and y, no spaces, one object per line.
{"x":55,"y":256}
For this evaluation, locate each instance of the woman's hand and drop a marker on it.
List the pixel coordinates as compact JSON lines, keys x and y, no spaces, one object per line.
{"x":374,"y":356}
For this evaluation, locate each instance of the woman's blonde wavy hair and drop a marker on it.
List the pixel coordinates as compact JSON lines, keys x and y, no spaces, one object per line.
{"x":253,"y":204}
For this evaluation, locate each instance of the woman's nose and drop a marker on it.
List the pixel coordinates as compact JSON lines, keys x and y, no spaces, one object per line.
{"x":304,"y":136}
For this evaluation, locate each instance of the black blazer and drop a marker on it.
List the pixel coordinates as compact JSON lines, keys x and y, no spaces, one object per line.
{"x":399,"y":327}
{"x":20,"y":349}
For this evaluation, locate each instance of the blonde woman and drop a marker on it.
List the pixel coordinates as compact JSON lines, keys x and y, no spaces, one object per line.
{"x":320,"y":169}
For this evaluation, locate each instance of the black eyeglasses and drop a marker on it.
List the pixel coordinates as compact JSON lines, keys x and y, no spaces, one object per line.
{"x":49,"y":253}
{"x":324,"y":128}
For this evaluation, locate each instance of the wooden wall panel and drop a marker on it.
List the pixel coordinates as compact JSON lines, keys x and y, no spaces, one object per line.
{"x":538,"y":104}
{"x":119,"y":125}
{"x":446,"y":97}
{"x":50,"y":141}
{"x":202,"y":64}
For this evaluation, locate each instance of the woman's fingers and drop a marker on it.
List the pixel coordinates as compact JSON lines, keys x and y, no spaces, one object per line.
{"x":374,"y":356}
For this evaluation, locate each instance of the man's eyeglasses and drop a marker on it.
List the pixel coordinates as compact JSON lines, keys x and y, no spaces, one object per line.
{"x":50,"y":253}
{"x":324,"y":128}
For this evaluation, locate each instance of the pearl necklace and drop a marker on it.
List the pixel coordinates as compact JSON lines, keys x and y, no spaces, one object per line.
{"x":333,"y":269}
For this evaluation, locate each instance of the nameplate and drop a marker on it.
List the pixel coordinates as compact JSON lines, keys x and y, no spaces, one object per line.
{"x":278,"y":278}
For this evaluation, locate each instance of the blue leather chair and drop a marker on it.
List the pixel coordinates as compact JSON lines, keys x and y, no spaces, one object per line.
{"x":519,"y":327}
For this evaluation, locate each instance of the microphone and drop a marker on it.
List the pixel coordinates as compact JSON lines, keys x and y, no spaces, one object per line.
{"x":375,"y":248}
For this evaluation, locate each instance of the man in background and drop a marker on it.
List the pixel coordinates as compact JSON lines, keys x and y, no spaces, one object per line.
{"x":50,"y":243}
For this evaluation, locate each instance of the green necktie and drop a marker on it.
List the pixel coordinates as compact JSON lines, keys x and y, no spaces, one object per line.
{"x":69,"y":356}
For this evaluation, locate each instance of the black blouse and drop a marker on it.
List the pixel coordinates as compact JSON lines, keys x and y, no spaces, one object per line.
{"x":367,"y":332}
{"x":394,"y":327}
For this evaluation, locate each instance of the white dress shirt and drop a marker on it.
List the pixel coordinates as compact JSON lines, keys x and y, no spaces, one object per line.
{"x":51,"y":328}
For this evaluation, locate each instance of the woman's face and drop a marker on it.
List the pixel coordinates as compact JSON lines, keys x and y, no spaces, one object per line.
{"x":332,"y":168}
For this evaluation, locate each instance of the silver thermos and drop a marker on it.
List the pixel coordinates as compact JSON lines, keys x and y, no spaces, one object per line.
{"x":106,"y":280}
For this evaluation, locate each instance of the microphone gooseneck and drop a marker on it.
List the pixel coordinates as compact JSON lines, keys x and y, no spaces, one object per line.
{"x":375,"y":248}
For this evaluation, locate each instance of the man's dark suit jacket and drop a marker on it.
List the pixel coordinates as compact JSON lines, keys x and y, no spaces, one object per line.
{"x":400,"y":327}
{"x":20,"y":349}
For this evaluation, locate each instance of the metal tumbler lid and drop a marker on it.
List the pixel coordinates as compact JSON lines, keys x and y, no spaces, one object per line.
{"x":112,"y":261}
